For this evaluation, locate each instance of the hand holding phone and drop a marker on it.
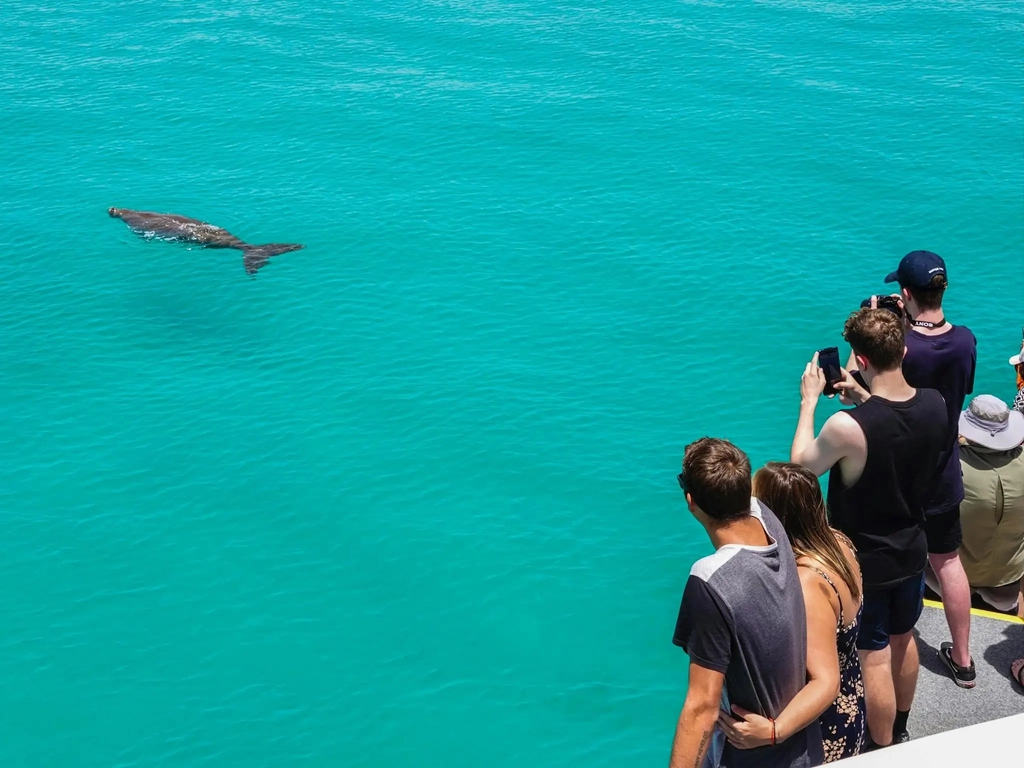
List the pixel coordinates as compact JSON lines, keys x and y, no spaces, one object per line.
{"x":853,"y":389}
{"x":828,"y":361}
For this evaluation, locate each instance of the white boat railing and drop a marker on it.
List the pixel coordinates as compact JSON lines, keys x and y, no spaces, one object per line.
{"x":995,"y":743}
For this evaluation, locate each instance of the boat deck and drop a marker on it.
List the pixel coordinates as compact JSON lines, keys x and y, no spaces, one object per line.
{"x":939,"y":705}
{"x":990,"y":743}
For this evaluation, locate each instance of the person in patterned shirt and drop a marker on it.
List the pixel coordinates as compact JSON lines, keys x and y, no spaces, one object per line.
{"x":1017,"y":361}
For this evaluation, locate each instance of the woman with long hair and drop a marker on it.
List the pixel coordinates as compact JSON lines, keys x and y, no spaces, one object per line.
{"x":830,"y":577}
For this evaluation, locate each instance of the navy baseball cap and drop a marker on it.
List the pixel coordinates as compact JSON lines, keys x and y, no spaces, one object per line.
{"x":917,"y":269}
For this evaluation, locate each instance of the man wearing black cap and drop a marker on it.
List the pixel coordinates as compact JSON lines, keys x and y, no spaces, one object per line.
{"x":943,"y":357}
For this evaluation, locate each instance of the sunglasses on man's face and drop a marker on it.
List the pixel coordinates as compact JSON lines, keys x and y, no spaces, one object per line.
{"x":682,"y":482}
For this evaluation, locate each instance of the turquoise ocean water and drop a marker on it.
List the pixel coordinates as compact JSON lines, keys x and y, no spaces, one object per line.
{"x":407,"y":497}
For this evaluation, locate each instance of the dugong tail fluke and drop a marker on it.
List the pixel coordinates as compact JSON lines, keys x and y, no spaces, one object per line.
{"x":256,"y":256}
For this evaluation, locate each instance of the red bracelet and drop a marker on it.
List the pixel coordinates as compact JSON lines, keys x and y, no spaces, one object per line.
{"x":773,"y":731}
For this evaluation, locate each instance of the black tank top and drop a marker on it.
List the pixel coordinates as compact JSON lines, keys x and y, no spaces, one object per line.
{"x":882,"y":512}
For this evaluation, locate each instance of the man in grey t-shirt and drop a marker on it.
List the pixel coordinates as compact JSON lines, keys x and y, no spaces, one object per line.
{"x":742,"y":619}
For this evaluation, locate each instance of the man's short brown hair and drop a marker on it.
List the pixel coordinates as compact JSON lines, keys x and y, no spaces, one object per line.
{"x":930,"y":297}
{"x":878,"y":335}
{"x":716,"y":474}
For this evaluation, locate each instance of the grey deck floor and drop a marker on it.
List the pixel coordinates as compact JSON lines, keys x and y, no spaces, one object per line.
{"x":939,"y":704}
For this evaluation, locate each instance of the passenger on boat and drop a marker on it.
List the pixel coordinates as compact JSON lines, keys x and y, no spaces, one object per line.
{"x":883,"y":458}
{"x":831,"y":583}
{"x":941,"y":356}
{"x":1017,"y":361}
{"x":742,"y":620}
{"x":992,"y":460}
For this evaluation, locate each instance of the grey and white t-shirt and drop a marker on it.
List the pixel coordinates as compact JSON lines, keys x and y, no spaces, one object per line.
{"x":743,"y":615}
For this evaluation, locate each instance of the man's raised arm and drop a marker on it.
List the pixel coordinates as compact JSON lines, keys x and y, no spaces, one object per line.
{"x":819,"y":454}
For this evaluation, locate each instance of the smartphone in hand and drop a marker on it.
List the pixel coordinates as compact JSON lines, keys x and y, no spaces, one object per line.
{"x":828,"y":361}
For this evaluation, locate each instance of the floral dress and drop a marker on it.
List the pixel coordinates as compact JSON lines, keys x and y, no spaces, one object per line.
{"x":844,"y":723}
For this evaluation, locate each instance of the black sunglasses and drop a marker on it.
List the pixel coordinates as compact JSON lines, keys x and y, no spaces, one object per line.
{"x":682,"y":482}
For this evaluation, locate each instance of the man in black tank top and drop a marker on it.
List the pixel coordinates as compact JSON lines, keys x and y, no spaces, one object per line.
{"x":882,"y":457}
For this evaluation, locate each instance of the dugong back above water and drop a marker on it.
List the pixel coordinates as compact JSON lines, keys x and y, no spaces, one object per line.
{"x":186,"y":230}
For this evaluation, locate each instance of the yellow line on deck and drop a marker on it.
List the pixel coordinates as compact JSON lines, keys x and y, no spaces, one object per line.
{"x":979,"y":612}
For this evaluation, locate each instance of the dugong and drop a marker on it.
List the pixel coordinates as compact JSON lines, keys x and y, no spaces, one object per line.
{"x":186,"y":230}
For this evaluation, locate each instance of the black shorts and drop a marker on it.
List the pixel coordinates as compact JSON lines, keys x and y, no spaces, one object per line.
{"x":890,"y":611}
{"x":943,"y":531}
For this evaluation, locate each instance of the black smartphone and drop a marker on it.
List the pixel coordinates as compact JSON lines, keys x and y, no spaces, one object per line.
{"x":828,"y":361}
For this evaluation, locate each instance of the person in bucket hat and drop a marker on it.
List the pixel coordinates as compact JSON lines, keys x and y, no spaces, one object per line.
{"x":992,"y":459}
